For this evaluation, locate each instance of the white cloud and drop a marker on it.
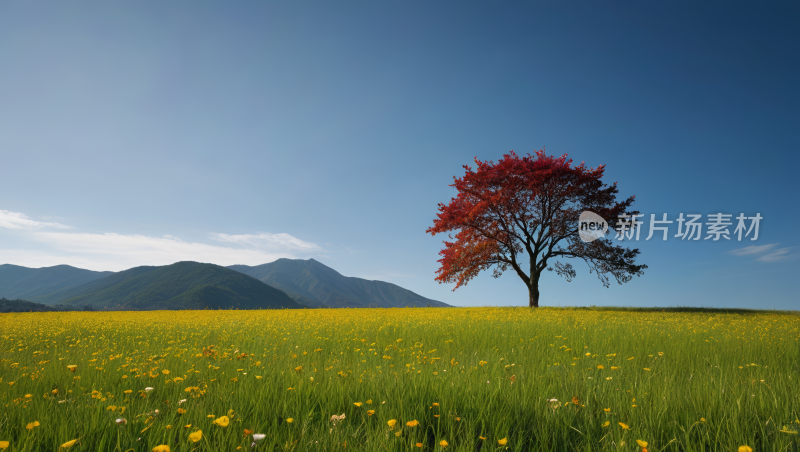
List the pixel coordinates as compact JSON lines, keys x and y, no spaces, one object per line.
{"x":20,"y":221}
{"x":780,"y":254}
{"x":266,"y":240}
{"x":115,"y":252}
{"x":752,"y":250}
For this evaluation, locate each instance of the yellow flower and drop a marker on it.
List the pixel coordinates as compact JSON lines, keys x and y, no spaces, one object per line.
{"x":443,"y":443}
{"x":435,"y":404}
{"x":211,"y":416}
{"x":419,"y":444}
{"x":370,"y":412}
{"x":72,"y":367}
{"x":482,"y":438}
{"x":647,"y":369}
{"x":358,"y":404}
{"x":196,"y":436}
{"x":702,"y":419}
{"x":187,"y":426}
{"x":4,"y":444}
{"x":128,"y":391}
{"x":165,"y":372}
{"x":600,"y":366}
{"x":161,"y":448}
{"x":607,"y":410}
{"x":289,"y":421}
{"x":503,"y":441}
{"x":32,"y":425}
{"x":413,"y":423}
{"x":624,"y":426}
{"x":392,"y":422}
{"x":606,"y":424}
{"x":222,"y":421}
{"x":641,"y":443}
{"x":54,"y":391}
{"x":369,"y":402}
{"x":69,"y":444}
{"x":745,"y":449}
{"x":181,"y":411}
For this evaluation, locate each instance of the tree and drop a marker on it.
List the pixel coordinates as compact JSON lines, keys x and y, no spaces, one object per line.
{"x":530,"y":206}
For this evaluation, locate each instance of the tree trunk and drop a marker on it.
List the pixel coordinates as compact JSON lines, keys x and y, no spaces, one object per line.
{"x":533,"y":293}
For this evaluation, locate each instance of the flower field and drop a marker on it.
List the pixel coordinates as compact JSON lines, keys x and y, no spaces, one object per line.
{"x":460,"y":379}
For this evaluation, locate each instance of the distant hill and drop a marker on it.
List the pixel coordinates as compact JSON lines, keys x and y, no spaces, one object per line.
{"x":38,"y":284}
{"x":313,"y":284}
{"x":27,"y":306}
{"x":183,"y":285}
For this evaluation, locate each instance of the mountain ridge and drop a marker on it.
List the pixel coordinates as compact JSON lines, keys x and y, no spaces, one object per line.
{"x":311,"y":280}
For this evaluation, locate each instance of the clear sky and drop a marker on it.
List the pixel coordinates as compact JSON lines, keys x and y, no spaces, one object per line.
{"x":145,"y":133}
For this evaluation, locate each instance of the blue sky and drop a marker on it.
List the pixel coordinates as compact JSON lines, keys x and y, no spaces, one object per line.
{"x":144,"y":133}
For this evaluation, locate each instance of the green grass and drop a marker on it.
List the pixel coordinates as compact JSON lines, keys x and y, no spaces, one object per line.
{"x":493,"y":369}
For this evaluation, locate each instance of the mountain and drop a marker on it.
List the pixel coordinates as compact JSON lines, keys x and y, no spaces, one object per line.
{"x":183,"y":285}
{"x":36,"y":284}
{"x":313,"y":284}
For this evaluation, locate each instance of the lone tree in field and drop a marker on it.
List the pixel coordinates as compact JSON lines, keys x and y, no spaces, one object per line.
{"x":529,"y":207}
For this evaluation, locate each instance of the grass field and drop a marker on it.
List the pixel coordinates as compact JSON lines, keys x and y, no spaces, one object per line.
{"x":401,"y":379}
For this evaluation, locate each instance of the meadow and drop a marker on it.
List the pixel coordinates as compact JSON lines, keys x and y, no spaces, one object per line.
{"x":433,"y":379}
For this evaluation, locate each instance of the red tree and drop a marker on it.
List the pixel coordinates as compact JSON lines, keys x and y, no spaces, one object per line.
{"x":530,"y":206}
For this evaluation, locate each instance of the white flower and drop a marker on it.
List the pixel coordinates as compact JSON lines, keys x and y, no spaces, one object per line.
{"x":121,"y":421}
{"x":148,"y":389}
{"x":258,"y":437}
{"x":181,"y":401}
{"x":552,"y":400}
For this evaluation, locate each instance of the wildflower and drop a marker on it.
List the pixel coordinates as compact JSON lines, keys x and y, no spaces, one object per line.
{"x":607,"y":410}
{"x":745,"y":449}
{"x":647,"y":369}
{"x":600,"y":366}
{"x":181,"y":411}
{"x":148,"y":389}
{"x":503,"y":441}
{"x":370,"y":412}
{"x":196,"y":436}
{"x":358,"y":404}
{"x":624,"y":426}
{"x":258,"y":437}
{"x":289,"y":420}
{"x":418,"y":445}
{"x":435,"y":404}
{"x":443,"y":443}
{"x":69,"y":444}
{"x":121,"y":421}
{"x":161,"y":448}
{"x":641,"y":443}
{"x":222,"y":421}
{"x":392,"y":422}
{"x":702,"y":419}
{"x":413,"y":423}
{"x":484,"y":439}
{"x":72,"y":367}
{"x":606,"y":424}
{"x":4,"y":444}
{"x":187,"y":426}
{"x":127,"y":391}
{"x":165,"y":372}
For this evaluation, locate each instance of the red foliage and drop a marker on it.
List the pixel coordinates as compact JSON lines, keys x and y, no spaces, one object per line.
{"x":529,"y":206}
